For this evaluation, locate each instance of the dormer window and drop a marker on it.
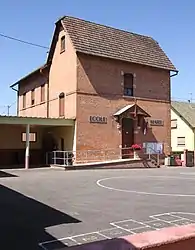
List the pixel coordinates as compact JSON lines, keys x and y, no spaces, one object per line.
{"x":62,"y":49}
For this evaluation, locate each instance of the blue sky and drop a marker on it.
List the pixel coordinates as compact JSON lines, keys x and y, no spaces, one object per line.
{"x":171,"y":23}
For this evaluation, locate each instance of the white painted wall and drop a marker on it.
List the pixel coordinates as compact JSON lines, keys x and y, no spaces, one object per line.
{"x":182,"y":130}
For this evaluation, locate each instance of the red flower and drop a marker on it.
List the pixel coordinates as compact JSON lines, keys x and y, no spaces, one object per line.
{"x":136,"y":147}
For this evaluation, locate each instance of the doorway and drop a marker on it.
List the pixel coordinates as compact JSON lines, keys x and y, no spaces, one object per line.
{"x":127,"y":136}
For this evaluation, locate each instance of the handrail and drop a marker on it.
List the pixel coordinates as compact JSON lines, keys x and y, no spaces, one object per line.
{"x":95,"y":155}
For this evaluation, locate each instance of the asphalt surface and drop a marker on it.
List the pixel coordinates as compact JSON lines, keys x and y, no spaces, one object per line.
{"x":51,"y":209}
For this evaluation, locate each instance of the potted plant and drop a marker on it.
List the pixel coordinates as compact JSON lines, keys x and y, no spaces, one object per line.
{"x":136,"y":148}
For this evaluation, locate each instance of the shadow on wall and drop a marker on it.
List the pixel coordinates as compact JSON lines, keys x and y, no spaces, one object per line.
{"x":23,"y":221}
{"x":99,"y":83}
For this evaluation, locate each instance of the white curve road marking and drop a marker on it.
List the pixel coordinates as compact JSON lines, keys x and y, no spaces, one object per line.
{"x":142,"y":192}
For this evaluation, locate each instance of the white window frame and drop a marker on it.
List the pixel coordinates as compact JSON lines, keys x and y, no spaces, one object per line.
{"x":32,"y":137}
{"x":174,"y":123}
{"x":181,"y":144}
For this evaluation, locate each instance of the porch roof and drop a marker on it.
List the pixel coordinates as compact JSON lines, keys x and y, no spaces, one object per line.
{"x":21,"y":120}
{"x":132,"y":108}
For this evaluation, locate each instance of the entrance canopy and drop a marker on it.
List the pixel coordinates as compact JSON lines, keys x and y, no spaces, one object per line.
{"x":133,"y":109}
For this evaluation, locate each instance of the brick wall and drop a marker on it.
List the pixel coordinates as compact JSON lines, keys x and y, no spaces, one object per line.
{"x":100,"y":92}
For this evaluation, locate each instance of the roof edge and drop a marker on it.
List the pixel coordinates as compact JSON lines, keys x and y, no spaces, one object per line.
{"x":182,"y":117}
{"x":113,"y":58}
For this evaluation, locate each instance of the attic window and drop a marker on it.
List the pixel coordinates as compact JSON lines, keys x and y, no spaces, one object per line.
{"x":174,"y":123}
{"x":62,"y":44}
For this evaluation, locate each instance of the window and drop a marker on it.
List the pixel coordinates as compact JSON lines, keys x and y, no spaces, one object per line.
{"x":128,"y":85}
{"x":174,"y":123}
{"x":43,"y":93}
{"x":62,"y":44}
{"x":33,"y":97}
{"x":24,"y":101}
{"x":32,"y":137}
{"x":181,"y":141}
{"x":61,"y":104}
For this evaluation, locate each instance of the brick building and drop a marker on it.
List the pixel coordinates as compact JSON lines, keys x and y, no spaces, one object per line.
{"x":114,"y":84}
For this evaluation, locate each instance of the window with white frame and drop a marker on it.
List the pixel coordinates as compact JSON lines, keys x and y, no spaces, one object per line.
{"x":174,"y":123}
{"x":180,"y":141}
{"x":32,"y":137}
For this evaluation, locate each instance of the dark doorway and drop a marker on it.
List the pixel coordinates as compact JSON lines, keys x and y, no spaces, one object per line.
{"x":62,"y":144}
{"x":127,"y":136}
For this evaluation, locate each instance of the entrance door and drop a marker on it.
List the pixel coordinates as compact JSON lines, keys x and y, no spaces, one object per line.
{"x":127,"y":136}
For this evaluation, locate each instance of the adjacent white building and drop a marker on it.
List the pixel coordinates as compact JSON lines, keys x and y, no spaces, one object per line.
{"x":182,"y":126}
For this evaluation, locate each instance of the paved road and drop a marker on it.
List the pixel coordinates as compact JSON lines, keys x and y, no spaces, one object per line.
{"x":81,"y":206}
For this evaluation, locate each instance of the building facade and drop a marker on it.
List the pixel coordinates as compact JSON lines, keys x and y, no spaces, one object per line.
{"x":182,"y":127}
{"x":114,"y":84}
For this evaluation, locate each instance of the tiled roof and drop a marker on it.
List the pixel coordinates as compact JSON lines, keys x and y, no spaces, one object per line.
{"x":186,"y":110}
{"x":95,"y":39}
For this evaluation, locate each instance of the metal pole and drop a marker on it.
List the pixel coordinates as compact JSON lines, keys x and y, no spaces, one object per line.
{"x":158,"y":160}
{"x":54,"y":157}
{"x":64,"y":155}
{"x":27,"y":146}
{"x":8,"y":108}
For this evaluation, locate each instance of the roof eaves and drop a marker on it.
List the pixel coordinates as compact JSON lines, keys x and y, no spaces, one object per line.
{"x":122,"y":110}
{"x":123,"y":60}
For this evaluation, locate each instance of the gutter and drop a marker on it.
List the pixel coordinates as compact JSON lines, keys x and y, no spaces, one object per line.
{"x":174,"y":74}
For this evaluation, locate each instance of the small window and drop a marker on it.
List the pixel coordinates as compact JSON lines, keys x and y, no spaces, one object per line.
{"x":181,"y":141}
{"x":24,"y":101}
{"x":128,"y":85}
{"x":32,"y":137}
{"x":33,"y":97}
{"x":43,"y":93}
{"x":62,"y":44}
{"x":174,"y":123}
{"x":61,"y":104}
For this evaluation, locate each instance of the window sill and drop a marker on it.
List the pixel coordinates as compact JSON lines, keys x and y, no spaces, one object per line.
{"x":128,"y":97}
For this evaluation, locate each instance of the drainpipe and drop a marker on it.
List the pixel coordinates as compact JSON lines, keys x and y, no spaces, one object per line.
{"x":47,"y":98}
{"x":174,"y":74}
{"x":17,"y":99}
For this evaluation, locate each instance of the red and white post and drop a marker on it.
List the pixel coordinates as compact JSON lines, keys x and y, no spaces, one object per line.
{"x":27,"y":146}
